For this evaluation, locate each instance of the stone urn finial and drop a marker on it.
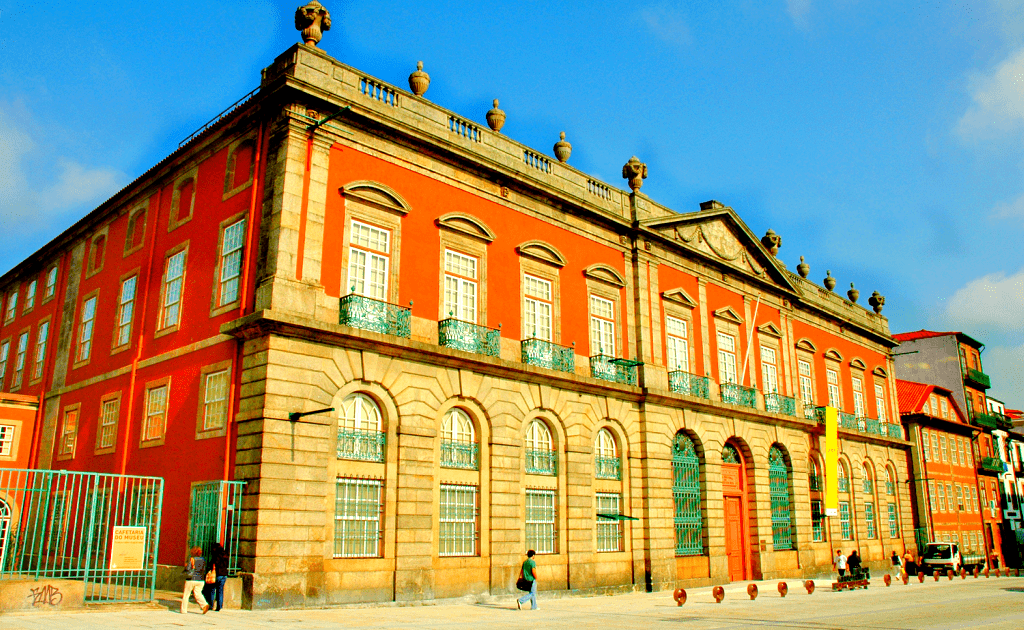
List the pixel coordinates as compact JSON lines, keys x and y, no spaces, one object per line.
{"x":853,"y":293}
{"x":496,"y":117}
{"x":877,"y":301}
{"x":772,"y":241}
{"x":562,"y":149}
{"x":313,"y":20}
{"x":419,"y":81}
{"x":830,"y":282}
{"x":636,"y":172}
{"x":803,"y":268}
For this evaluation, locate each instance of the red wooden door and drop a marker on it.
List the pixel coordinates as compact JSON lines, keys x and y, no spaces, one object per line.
{"x":734,"y":538}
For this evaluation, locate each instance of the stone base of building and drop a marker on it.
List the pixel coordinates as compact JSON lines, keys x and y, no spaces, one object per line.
{"x":41,"y":595}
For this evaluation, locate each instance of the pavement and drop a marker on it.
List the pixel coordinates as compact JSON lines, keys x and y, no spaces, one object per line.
{"x":992,"y":603}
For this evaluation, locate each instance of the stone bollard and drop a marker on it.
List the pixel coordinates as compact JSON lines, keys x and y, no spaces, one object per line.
{"x":718,"y":593}
{"x":809,"y":585}
{"x":963,"y":573}
{"x":752,"y":591}
{"x":1006,"y":572}
{"x":935,"y":574}
{"x":906,"y":578}
{"x":887,"y":579}
{"x":680,"y":596}
{"x":976,"y":572}
{"x":985,"y":572}
{"x":949,"y":574}
{"x":783,"y":588}
{"x":920,"y":577}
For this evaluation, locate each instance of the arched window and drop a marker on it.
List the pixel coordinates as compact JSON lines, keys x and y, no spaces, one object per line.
{"x":458,"y":441}
{"x":869,"y":482}
{"x":540,"y":458}
{"x":817,"y":485}
{"x":686,"y":493}
{"x":606,"y":460}
{"x":845,"y":516}
{"x":730,"y":455}
{"x":890,"y":481}
{"x":891,"y":505}
{"x":869,"y":501}
{"x":359,"y":430}
{"x":778,"y":478}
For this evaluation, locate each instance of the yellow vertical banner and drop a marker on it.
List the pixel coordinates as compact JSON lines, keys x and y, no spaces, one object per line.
{"x":831,"y":461}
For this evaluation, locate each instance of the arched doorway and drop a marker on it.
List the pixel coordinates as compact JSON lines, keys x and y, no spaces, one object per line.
{"x":734,"y":493}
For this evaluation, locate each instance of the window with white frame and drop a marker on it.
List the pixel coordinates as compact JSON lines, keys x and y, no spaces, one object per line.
{"x":458,"y":521}
{"x":85,"y":327}
{"x":959,"y":498}
{"x":880,"y":401}
{"x":42,"y":336}
{"x":846,"y":527}
{"x":963,"y":454}
{"x":806,"y":384}
{"x":460,"y":286}
{"x":109,"y":411}
{"x":945,"y":407}
{"x":359,"y":413}
{"x":609,"y":530}
{"x":369,"y":258}
{"x":231,"y":249}
{"x":174,"y":277}
{"x":942,"y":498}
{"x":974,"y":498}
{"x":156,"y":413}
{"x":602,"y":326}
{"x":945,"y":450}
{"x":19,"y":360}
{"x":215,"y":400}
{"x":51,"y":282}
{"x":858,"y":397}
{"x":125,"y":312}
{"x":12,"y":306}
{"x":541,"y":529}
{"x":5,"y":349}
{"x":606,"y":459}
{"x":726,"y":358}
{"x":458,"y":441}
{"x":69,"y":431}
{"x":359,"y":429}
{"x":932,"y":496}
{"x":935,"y":447}
{"x":30,"y":296}
{"x":925,"y":446}
{"x":6,"y":439}
{"x":537,"y":308}
{"x":677,"y":348}
{"x":769,"y":371}
{"x":832,"y":379}
{"x":869,"y":519}
{"x":894,"y":522}
{"x":357,"y":510}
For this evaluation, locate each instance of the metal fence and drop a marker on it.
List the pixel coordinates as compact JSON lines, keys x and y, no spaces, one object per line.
{"x":213,"y":517}
{"x":61,"y":525}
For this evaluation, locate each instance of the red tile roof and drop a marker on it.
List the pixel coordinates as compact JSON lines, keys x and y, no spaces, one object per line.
{"x":911,"y":396}
{"x":921,"y":334}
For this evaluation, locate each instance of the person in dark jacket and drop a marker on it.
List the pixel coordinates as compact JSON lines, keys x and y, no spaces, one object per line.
{"x":853,"y":562}
{"x":214,"y":593}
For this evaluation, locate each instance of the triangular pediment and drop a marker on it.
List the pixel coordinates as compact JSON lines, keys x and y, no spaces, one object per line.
{"x":728,"y":314}
{"x":719,"y":236}
{"x":375,"y":194}
{"x":544,"y":252}
{"x":467,"y":224}
{"x":605,"y":273}
{"x":679,"y":296}
{"x":770,"y":329}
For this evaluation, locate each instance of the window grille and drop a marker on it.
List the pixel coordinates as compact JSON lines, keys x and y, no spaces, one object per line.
{"x":778,"y":476}
{"x":458,"y":520}
{"x":686,"y":493}
{"x":609,"y":532}
{"x":894,"y":525}
{"x":357,"y":511}
{"x":869,"y":518}
{"x":817,"y":521}
{"x":541,"y":529}
{"x":846,"y":530}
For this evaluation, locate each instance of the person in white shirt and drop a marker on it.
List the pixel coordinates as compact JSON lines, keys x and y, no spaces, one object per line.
{"x":840,"y":562}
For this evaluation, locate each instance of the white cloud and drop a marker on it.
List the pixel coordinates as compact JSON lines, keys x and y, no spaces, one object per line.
{"x":800,"y":11}
{"x":1010,"y":210}
{"x":667,"y":23}
{"x":42,"y":193}
{"x":991,"y":303}
{"x":1005,"y":366}
{"x":998,"y":97}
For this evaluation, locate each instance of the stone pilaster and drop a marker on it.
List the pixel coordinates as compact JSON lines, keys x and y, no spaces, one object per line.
{"x":415,"y":545}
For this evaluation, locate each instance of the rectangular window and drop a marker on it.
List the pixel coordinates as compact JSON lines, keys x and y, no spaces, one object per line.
{"x":846,"y":529}
{"x":537,"y":308}
{"x":945,"y":408}
{"x":984,"y":497}
{"x":894,"y":523}
{"x":6,"y":440}
{"x":109,"y":411}
{"x":19,"y":361}
{"x":458,"y":520}
{"x":926,"y":446}
{"x":769,"y":370}
{"x":959,"y":498}
{"x":974,"y":497}
{"x":677,"y":355}
{"x":460,"y":286}
{"x":602,"y":326}
{"x":156,"y":413}
{"x":935,"y":447}
{"x":880,"y":402}
{"x":817,"y":521}
{"x":125,"y":312}
{"x":942,"y":498}
{"x":12,"y":306}
{"x":945,"y":450}
{"x":85,"y":329}
{"x":869,"y":519}
{"x":174,"y":278}
{"x":231,"y":248}
{"x":68,"y":432}
{"x":5,"y":349}
{"x":541,"y":532}
{"x":215,"y":403}
{"x":726,"y":358}
{"x":42,"y":335}
{"x":357,"y":512}
{"x":963,"y":455}
{"x":806,"y":384}
{"x":832,"y":378}
{"x":609,"y":531}
{"x":51,"y":283}
{"x":858,"y":397}
{"x":931,"y":494}
{"x":368,"y":261}
{"x":30,"y":297}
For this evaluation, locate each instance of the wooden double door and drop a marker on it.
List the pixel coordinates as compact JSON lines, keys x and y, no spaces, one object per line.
{"x":737,"y":538}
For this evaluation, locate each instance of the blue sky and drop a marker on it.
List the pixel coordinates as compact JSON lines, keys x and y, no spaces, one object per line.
{"x":883,"y":140}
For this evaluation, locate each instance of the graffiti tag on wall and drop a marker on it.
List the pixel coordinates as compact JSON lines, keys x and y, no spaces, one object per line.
{"x":46,"y":596}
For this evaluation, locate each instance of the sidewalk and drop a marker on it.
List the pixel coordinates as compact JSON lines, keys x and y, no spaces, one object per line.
{"x":994,"y":603}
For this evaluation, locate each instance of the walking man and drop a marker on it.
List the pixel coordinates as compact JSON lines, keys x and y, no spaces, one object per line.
{"x":840,"y":562}
{"x":530,"y":574}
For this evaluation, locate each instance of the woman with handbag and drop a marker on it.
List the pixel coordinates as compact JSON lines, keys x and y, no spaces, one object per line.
{"x":195,"y":577}
{"x":219,"y":568}
{"x":528,"y":581}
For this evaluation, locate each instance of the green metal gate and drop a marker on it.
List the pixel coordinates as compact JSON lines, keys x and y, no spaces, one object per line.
{"x":59,"y":524}
{"x":213,"y":517}
{"x":686,"y":494}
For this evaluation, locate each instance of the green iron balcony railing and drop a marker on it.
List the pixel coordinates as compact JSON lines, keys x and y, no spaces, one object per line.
{"x":817,"y":413}
{"x":1004,"y":423}
{"x":978,"y":378}
{"x":815,"y":482}
{"x":848,"y":421}
{"x":367,"y":446}
{"x":690,"y":384}
{"x":844,"y":484}
{"x":890,"y":487}
{"x":460,"y":455}
{"x":541,"y":461}
{"x":365,"y":313}
{"x":894,"y":430}
{"x":986,"y":420}
{"x":609,"y":368}
{"x":607,"y":467}
{"x":736,"y":394}
{"x":549,"y":355}
{"x":469,"y":337}
{"x":873,"y":426}
{"x":992,"y":464}
{"x":775,"y":402}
